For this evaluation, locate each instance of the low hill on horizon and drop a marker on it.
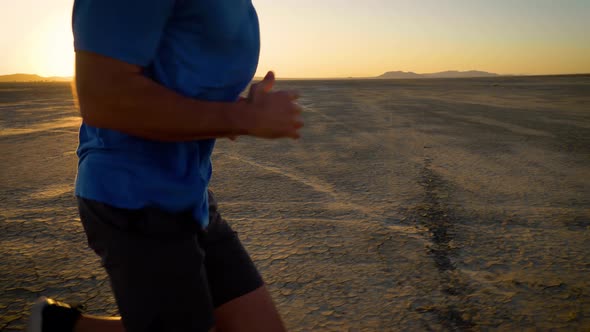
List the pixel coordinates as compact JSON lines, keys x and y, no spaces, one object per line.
{"x":443,"y":74}
{"x":32,"y":78}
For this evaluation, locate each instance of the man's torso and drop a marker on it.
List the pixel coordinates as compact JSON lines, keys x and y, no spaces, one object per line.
{"x":206,"y":49}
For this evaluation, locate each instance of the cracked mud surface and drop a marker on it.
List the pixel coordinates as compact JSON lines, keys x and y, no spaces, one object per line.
{"x":446,"y":205}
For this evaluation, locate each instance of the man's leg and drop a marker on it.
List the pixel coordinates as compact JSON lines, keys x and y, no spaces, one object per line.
{"x":242,"y":301}
{"x":88,"y":323}
{"x":51,"y":315}
{"x":155,"y":266}
{"x":254,"y":311}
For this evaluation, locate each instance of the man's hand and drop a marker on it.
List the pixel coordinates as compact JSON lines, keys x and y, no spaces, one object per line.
{"x":272,"y":114}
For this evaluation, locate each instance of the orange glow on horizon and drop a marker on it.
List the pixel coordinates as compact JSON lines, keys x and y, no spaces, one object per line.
{"x":307,"y":39}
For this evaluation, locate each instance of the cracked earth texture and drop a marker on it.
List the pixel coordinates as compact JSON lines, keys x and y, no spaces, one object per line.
{"x":445,"y":205}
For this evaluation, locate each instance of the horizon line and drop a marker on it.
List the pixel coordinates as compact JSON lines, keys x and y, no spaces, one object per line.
{"x":70,"y":78}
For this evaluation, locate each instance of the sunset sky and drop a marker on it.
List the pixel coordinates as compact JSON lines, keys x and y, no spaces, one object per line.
{"x":342,"y":38}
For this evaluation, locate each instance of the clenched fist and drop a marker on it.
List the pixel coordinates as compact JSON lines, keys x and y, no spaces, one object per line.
{"x":272,"y":114}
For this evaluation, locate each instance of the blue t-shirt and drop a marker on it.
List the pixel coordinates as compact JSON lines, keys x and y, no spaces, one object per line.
{"x":204,"y":49}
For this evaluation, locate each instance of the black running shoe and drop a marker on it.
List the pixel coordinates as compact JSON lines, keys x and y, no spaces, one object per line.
{"x":48,"y":315}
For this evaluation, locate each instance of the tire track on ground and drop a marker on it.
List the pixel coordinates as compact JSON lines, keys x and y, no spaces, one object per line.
{"x":436,"y":215}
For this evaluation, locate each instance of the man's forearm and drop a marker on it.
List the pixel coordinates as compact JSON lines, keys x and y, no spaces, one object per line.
{"x":132,"y":103}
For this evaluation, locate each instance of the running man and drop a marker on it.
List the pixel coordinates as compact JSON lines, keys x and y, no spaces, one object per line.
{"x":157,"y":82}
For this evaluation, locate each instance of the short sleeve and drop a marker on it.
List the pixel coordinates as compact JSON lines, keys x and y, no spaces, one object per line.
{"x":126,"y":30}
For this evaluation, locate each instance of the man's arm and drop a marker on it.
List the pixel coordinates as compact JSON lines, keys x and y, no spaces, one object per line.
{"x":116,"y":95}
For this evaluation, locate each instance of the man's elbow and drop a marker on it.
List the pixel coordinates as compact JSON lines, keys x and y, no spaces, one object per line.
{"x":100,"y":88}
{"x":91,"y":110}
{"x":98,"y":105}
{"x":90,"y":116}
{"x":84,"y":102}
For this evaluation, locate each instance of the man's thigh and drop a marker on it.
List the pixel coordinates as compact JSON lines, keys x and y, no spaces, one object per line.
{"x":156,"y":269}
{"x":242,"y":302}
{"x":230,"y":270}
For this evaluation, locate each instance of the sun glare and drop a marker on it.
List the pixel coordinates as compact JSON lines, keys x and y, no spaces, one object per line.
{"x":53,"y":50}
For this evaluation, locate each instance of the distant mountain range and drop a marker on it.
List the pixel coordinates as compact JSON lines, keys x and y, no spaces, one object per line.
{"x":442,"y":74}
{"x":387,"y":75}
{"x":32,"y":78}
{"x":408,"y":75}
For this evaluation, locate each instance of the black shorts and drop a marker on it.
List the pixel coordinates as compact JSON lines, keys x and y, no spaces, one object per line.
{"x":166,"y":272}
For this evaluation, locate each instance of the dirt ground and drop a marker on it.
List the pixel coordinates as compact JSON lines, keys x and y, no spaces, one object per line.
{"x":447,"y":205}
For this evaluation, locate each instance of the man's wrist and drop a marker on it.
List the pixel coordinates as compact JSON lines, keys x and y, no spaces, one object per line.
{"x":239,"y":118}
